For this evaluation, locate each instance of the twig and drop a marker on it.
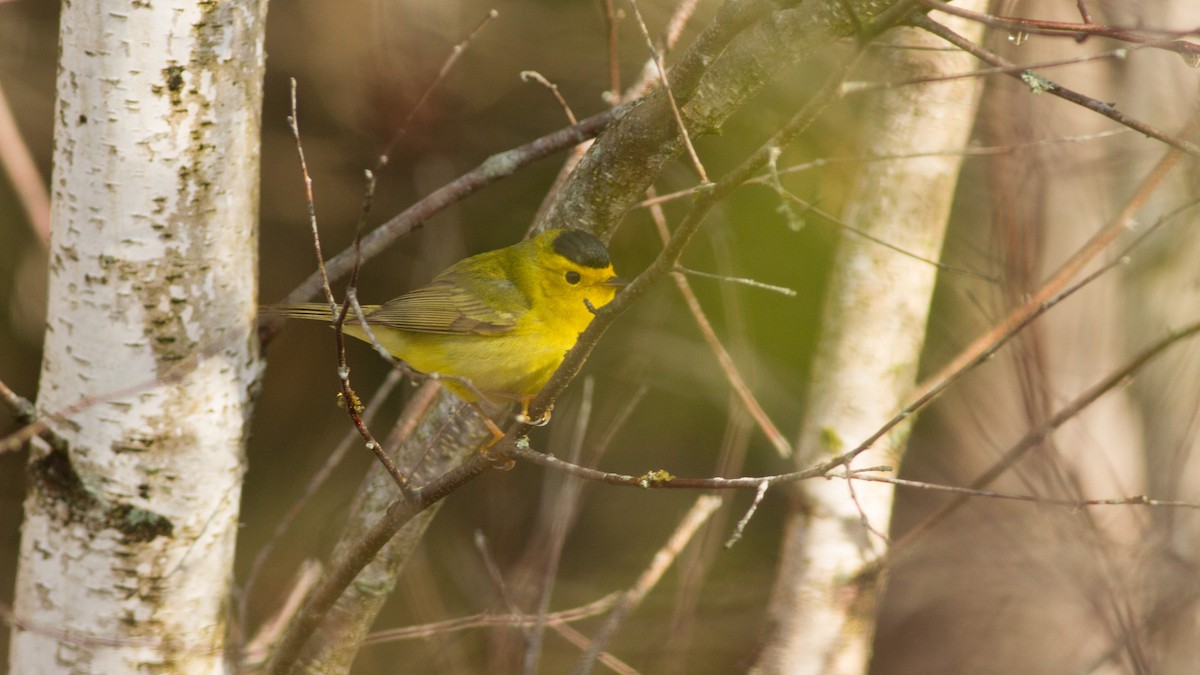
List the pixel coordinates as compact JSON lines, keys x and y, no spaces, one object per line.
{"x":1040,"y":84}
{"x":1049,"y":294}
{"x":1119,"y":54}
{"x":700,"y":511}
{"x":662,"y":77}
{"x":1083,"y":11}
{"x":745,"y":520}
{"x":679,"y":19}
{"x":1136,"y":500}
{"x":753,"y":283}
{"x":614,"y":61}
{"x":1189,"y":51}
{"x":21,"y":407}
{"x":528,"y":75}
{"x":846,"y":227}
{"x":565,"y":504}
{"x":1035,"y":436}
{"x":826,"y":161}
{"x":649,"y":75}
{"x":581,"y":641}
{"x":487,"y":620}
{"x":455,"y":53}
{"x":349,"y":398}
{"x":27,"y":182}
{"x":732,"y":374}
{"x":493,"y":570}
{"x":256,"y":650}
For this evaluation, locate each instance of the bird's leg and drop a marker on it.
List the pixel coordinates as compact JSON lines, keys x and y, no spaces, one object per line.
{"x":523,"y":416}
{"x":497,"y":434}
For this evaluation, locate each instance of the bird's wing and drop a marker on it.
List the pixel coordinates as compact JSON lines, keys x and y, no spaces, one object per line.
{"x":456,"y":304}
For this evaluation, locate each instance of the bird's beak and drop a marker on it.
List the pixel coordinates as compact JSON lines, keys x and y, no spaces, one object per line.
{"x":616,"y":282}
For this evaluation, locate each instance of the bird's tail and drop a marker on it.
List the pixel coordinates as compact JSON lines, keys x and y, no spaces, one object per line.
{"x":313,"y":311}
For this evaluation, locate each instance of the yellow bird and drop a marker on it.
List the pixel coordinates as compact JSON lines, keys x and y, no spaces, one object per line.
{"x":501,"y":320}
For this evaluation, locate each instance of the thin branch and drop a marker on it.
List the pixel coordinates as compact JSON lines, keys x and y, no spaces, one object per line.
{"x":350,"y":399}
{"x":741,"y":524}
{"x":1039,"y":84}
{"x":27,"y":182}
{"x":565,"y":506}
{"x":753,"y":283}
{"x":1188,"y":50}
{"x":487,"y":620}
{"x":614,"y":61}
{"x":1136,"y":500}
{"x":846,"y":227}
{"x":257,"y":648}
{"x":455,"y":53}
{"x":700,"y":511}
{"x":662,"y":78}
{"x":732,"y":374}
{"x":535,"y":76}
{"x":1048,"y":295}
{"x":21,"y":407}
{"x":1036,"y":436}
{"x":1119,"y":54}
{"x":765,"y":179}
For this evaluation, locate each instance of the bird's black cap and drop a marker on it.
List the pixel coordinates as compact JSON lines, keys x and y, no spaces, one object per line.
{"x":581,"y":248}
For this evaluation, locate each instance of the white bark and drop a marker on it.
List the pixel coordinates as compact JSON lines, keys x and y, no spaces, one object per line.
{"x":127,"y":545}
{"x":872,"y":333}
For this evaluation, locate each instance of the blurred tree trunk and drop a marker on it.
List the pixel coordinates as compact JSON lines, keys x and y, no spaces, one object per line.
{"x":872,"y":333}
{"x":130,"y":521}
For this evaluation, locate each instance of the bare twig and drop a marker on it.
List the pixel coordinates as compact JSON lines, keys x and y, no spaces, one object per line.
{"x":745,"y":520}
{"x":455,"y":53}
{"x":350,"y":399}
{"x":826,"y":161}
{"x":1036,"y":436}
{"x":1119,"y":54}
{"x":1188,"y":50}
{"x":753,"y":283}
{"x":565,"y":505}
{"x":732,"y":374}
{"x":1039,"y":84}
{"x":485,"y":620}
{"x":700,"y":511}
{"x":256,"y":650}
{"x":535,"y":76}
{"x":27,"y":182}
{"x":614,"y":61}
{"x":662,"y":77}
{"x":1135,"y":500}
{"x":1049,"y":294}
{"x":20,"y":406}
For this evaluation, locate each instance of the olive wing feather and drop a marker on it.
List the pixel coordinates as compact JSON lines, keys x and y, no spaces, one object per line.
{"x":456,"y":304}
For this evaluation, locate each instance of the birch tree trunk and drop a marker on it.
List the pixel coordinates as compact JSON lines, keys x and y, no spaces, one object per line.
{"x":872,"y":333}
{"x":130,"y":521}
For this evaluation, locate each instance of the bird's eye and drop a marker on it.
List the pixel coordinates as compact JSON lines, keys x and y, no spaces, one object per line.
{"x":573,"y":277}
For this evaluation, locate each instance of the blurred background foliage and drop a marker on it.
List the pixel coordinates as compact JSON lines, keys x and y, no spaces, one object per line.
{"x":360,"y":68}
